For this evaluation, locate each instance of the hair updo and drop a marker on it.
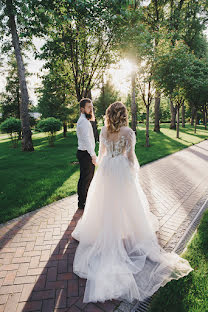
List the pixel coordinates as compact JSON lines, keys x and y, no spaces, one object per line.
{"x":116,"y":117}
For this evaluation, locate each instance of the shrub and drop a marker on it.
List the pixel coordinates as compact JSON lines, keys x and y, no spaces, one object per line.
{"x":12,"y":126}
{"x":50,"y":125}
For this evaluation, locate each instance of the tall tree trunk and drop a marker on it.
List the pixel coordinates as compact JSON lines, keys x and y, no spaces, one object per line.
{"x":183,"y":114}
{"x":205,"y":117}
{"x":19,"y":135}
{"x":173,"y":115}
{"x":133,"y":104}
{"x":18,"y":111}
{"x":27,"y":144}
{"x":89,"y":94}
{"x":18,"y":102}
{"x":147,"y":126}
{"x":157,"y":111}
{"x":192,"y":115}
{"x":196,"y":117}
{"x":65,"y":128}
{"x":203,"y":114}
{"x":79,"y":97}
{"x":178,"y":120}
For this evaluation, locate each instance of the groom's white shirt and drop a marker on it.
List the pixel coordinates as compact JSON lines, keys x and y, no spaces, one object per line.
{"x":85,"y":135}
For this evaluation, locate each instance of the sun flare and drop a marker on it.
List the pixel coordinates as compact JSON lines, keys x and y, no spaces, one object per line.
{"x":120,"y":75}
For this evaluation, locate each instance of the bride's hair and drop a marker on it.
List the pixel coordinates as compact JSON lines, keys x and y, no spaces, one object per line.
{"x":116,"y":116}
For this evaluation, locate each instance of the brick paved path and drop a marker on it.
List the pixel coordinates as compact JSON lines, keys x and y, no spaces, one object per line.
{"x":36,"y":250}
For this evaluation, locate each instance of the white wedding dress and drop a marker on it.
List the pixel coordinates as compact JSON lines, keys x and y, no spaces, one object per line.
{"x":118,"y":251}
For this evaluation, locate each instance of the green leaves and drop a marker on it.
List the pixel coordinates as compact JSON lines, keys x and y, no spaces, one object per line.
{"x":11,"y":125}
{"x":50,"y":125}
{"x":108,"y":95}
{"x":180,"y":74}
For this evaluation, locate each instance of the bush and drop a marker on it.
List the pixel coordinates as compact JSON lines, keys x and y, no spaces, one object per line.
{"x":50,"y":125}
{"x":12,"y":126}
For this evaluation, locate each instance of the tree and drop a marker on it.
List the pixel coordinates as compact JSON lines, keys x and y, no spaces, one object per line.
{"x":8,"y":24}
{"x":196,"y":87}
{"x":11,"y":98}
{"x":173,"y":113}
{"x":145,"y":86}
{"x":153,"y":17}
{"x":176,"y":20}
{"x":134,"y":43}
{"x":57,"y":95}
{"x":133,"y":102}
{"x":12,"y":126}
{"x":128,"y":103}
{"x":183,"y":113}
{"x":107,"y":96}
{"x":50,"y":125}
{"x":171,"y":71}
{"x":83,"y":35}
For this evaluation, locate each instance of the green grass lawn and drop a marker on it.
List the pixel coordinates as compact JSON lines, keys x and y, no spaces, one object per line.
{"x":165,"y":143}
{"x":190,"y":293}
{"x":30,"y":180}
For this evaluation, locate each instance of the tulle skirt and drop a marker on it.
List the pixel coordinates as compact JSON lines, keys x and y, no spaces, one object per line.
{"x":118,"y":251}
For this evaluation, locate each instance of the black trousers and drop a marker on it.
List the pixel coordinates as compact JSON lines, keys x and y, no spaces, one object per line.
{"x":87,"y":170}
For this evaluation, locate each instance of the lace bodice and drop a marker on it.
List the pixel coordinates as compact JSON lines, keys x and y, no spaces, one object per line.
{"x":115,"y":148}
{"x":116,"y":144}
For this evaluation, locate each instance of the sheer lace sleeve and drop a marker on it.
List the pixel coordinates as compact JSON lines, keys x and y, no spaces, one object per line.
{"x":130,"y":151}
{"x":102,"y":147}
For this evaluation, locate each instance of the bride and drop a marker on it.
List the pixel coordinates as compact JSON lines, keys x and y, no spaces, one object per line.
{"x":118,"y":251}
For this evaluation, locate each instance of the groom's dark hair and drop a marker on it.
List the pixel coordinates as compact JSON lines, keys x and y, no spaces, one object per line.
{"x":83,"y":102}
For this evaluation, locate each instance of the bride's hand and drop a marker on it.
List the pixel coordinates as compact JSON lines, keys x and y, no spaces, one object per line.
{"x":94,"y":160}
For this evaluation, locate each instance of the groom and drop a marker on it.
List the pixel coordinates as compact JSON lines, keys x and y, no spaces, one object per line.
{"x":87,"y":136}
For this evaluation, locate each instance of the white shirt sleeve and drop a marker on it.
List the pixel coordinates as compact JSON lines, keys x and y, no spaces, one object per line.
{"x":84,"y":128}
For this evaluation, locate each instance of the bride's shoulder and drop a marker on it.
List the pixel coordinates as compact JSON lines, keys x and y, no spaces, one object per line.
{"x":126,"y":130}
{"x":103,"y":129}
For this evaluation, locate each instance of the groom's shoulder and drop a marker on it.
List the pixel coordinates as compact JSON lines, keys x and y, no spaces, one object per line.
{"x":81,"y":120}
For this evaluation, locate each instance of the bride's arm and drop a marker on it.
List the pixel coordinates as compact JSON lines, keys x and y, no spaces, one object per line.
{"x":102,"y":147}
{"x":130,"y":151}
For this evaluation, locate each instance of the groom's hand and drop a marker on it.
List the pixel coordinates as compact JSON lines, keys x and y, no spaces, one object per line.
{"x":94,"y":158}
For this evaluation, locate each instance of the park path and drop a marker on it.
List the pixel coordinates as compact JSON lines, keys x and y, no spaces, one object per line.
{"x":36,"y":249}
